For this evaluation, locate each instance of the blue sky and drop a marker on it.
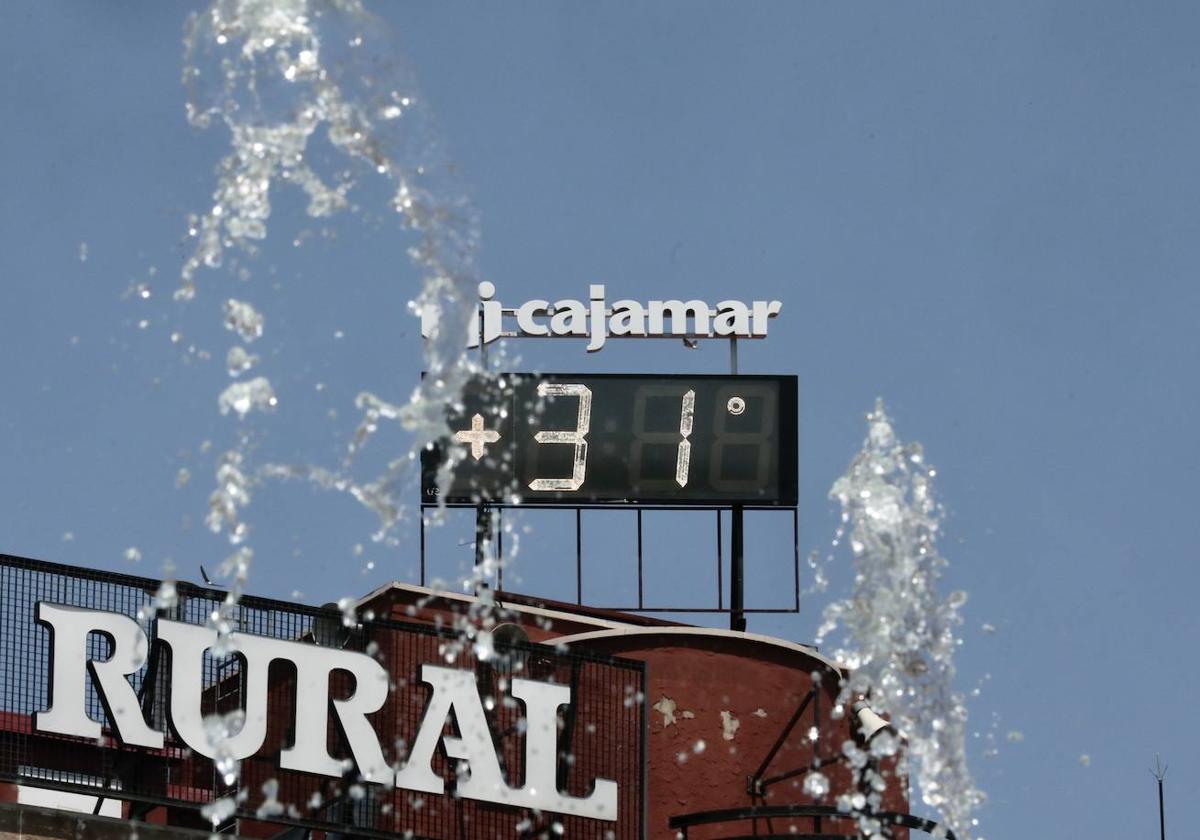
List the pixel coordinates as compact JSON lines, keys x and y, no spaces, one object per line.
{"x":984,"y":213}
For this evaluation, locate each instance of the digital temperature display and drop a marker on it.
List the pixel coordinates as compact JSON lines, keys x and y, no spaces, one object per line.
{"x":620,"y":439}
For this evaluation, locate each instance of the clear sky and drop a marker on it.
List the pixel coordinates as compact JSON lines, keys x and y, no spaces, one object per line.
{"x":985,"y":213}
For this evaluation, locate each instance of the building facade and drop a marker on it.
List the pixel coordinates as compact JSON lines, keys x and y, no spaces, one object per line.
{"x":506,"y":716}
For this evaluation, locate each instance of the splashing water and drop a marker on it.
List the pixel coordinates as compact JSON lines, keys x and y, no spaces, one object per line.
{"x":900,"y":634}
{"x":166,"y":597}
{"x":219,"y":810}
{"x":243,"y":397}
{"x":235,"y":571}
{"x":244,"y":319}
{"x":219,"y":731}
{"x":312,"y":96}
{"x":291,"y":80}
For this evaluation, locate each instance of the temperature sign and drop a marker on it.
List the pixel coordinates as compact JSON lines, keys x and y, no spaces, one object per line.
{"x":620,"y":439}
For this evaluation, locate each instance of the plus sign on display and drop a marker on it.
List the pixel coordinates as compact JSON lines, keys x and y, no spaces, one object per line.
{"x":477,"y":437}
{"x":620,"y":439}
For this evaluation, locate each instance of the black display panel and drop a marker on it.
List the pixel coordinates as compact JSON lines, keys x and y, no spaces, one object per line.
{"x":619,"y":439}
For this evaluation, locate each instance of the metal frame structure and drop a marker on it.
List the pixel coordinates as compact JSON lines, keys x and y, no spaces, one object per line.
{"x":735,"y":608}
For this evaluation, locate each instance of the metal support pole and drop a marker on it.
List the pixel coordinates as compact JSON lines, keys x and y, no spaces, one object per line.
{"x":481,"y":513}
{"x":720,"y":564}
{"x":483,"y":535}
{"x":483,"y":354}
{"x":1162,"y":819}
{"x":1159,"y":773}
{"x":737,"y":566}
{"x":422,"y":546}
{"x":737,"y":569}
{"x":641,"y":603}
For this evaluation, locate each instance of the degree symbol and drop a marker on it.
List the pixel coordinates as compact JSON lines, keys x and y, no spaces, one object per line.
{"x":735,"y":406}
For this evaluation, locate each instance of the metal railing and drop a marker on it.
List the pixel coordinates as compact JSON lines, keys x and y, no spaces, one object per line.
{"x":784,"y":813}
{"x":603,"y":727}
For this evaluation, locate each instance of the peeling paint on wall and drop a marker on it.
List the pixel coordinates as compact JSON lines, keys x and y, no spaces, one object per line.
{"x":759,"y":712}
{"x":666,"y":707}
{"x":729,"y":725}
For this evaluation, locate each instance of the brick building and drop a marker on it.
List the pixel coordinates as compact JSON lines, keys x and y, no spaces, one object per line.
{"x":706,"y":733}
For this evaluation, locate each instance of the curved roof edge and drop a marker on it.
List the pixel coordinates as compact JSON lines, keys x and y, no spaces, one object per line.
{"x":514,"y":606}
{"x":709,"y":632}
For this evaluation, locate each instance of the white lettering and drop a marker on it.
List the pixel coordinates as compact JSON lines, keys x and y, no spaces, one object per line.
{"x":525,"y":317}
{"x":493,"y":313}
{"x":541,"y":756}
{"x":188,"y":643}
{"x":454,"y":690}
{"x":764,"y":310}
{"x":593,"y":320}
{"x":69,"y":629}
{"x":628,"y":318}
{"x":313,"y":667}
{"x":598,"y":322}
{"x":681,"y":313}
{"x":570,"y":318}
{"x":455,"y":696}
{"x":732,"y":319}
{"x":311,"y":752}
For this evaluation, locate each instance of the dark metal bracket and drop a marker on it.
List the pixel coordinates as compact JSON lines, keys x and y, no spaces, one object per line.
{"x":756,"y":785}
{"x":683,"y":822}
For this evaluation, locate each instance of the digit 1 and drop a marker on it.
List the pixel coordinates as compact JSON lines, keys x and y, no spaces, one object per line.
{"x":641,"y":437}
{"x":683,"y":458}
{"x":577,"y":437}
